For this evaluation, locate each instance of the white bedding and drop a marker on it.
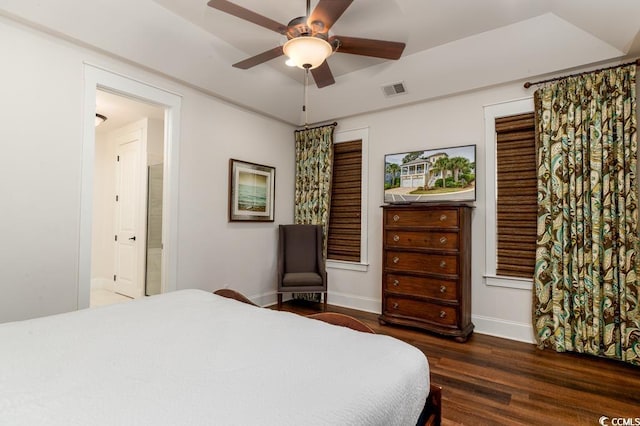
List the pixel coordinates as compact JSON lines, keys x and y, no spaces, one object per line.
{"x":193,"y":358}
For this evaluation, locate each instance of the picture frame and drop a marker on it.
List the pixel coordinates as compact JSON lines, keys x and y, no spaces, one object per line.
{"x":251,"y":192}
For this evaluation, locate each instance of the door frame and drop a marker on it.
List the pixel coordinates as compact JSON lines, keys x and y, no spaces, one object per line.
{"x":95,"y":78}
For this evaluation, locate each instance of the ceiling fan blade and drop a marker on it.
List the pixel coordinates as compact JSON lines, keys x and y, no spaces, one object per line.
{"x":369,"y":47}
{"x":247,"y":15}
{"x":328,"y":12}
{"x":258,"y":59}
{"x":322,"y":75}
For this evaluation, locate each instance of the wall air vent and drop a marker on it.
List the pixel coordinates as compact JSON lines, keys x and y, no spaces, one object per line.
{"x":394,"y":89}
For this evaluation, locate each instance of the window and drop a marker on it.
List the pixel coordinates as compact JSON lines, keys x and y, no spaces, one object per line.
{"x":516,"y":201}
{"x":347,"y":234}
{"x":500,"y":210}
{"x":344,"y":222}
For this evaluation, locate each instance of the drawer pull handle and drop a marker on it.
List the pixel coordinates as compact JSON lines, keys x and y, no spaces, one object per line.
{"x":395,"y":306}
{"x":443,"y":314}
{"x":443,"y":240}
{"x":396,"y":218}
{"x":396,"y":259}
{"x":396,"y":283}
{"x":443,"y":264}
{"x":396,"y":238}
{"x":443,"y":217}
{"x":443,"y":289}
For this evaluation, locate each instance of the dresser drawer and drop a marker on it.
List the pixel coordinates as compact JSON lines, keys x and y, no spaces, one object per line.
{"x":445,"y":315}
{"x":422,"y":262}
{"x":422,"y":218}
{"x":419,"y":286}
{"x":422,"y":239}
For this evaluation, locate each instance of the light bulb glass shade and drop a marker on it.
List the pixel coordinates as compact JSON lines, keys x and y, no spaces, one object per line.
{"x":100,"y":119}
{"x":307,"y":50}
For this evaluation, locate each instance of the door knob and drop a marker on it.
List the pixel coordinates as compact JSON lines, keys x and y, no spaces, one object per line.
{"x":133,"y":238}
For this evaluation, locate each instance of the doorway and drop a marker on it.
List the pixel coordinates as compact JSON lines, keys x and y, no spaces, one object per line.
{"x":98,"y":80}
{"x":127,"y":199}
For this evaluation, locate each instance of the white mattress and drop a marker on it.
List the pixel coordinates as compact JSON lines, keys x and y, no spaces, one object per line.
{"x":193,"y":358}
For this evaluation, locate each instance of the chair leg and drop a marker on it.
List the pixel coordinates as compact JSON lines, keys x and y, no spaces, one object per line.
{"x":325,"y":301}
{"x":279,"y":301}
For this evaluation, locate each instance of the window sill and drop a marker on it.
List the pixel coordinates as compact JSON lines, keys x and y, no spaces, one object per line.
{"x":350,"y":266}
{"x":508,"y":282}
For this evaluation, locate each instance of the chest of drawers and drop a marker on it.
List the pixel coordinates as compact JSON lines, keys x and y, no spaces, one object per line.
{"x":426,"y":278}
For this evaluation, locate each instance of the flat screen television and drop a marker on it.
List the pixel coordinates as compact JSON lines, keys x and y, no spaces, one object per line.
{"x":431,"y":175}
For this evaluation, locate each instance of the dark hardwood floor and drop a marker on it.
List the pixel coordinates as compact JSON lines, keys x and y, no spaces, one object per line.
{"x":493,"y":381}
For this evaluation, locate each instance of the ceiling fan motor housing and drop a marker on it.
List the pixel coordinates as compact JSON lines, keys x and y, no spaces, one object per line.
{"x":299,"y":27}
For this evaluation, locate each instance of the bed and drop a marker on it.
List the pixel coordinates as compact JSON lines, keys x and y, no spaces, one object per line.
{"x":191,"y":357}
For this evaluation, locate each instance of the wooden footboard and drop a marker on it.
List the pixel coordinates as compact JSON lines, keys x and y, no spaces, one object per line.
{"x":343,"y":321}
{"x":232,"y":294}
{"x":432,"y":412}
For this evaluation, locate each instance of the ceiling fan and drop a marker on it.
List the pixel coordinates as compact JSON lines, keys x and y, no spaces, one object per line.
{"x":312,"y":29}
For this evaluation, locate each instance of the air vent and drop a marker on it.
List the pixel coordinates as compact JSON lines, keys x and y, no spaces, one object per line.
{"x":394,"y":89}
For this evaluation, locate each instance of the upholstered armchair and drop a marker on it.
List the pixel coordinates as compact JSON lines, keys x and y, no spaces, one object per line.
{"x":301,"y":264}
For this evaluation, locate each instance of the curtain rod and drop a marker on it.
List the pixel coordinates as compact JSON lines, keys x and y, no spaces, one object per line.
{"x":529,"y":84}
{"x":335,"y":123}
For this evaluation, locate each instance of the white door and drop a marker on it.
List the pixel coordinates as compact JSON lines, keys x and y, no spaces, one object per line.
{"x":130,"y":234}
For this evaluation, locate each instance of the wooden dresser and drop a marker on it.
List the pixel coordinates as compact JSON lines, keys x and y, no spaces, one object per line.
{"x":426,"y":278}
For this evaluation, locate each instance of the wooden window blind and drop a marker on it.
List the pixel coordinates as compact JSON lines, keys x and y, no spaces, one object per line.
{"x":343,"y":241}
{"x":517,"y":195}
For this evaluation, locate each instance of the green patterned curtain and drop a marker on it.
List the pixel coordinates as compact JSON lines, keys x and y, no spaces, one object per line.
{"x":314,"y":163}
{"x":586,"y":282}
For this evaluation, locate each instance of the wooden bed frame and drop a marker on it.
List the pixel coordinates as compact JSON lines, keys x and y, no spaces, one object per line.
{"x":431,"y":413}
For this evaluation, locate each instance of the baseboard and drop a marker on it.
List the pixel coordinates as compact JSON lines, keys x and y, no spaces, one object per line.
{"x":511,"y":330}
{"x":101,"y":284}
{"x":355,"y":302}
{"x":336,"y":299}
{"x":266,"y":299}
{"x":505,"y":329}
{"x":270,"y":298}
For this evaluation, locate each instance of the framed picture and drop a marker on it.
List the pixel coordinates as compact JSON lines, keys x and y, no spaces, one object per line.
{"x":251,"y":191}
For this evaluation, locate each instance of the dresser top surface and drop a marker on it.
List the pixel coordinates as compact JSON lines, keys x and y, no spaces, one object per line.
{"x":426,"y":206}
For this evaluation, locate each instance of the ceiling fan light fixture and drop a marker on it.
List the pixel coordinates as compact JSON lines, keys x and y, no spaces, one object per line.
{"x":307,"y":51}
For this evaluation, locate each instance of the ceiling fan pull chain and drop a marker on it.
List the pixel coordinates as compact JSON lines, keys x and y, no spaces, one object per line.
{"x":304,"y":100}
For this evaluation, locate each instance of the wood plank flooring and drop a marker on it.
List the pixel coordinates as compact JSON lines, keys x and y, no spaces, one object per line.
{"x":493,"y":381}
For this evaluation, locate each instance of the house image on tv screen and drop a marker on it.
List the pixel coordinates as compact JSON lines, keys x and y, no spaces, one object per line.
{"x":446,"y":174}
{"x":422,"y":172}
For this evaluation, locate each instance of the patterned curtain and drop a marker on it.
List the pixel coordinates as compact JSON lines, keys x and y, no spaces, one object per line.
{"x":586,"y":275}
{"x":314,"y":162}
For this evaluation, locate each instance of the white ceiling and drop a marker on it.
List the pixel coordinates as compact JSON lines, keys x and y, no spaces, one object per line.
{"x":453,"y":46}
{"x":121,"y":111}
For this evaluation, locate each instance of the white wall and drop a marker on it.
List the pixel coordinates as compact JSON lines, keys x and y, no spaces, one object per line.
{"x":102,"y":250}
{"x":155,"y":141}
{"x":450,"y":121}
{"x":41,"y":132}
